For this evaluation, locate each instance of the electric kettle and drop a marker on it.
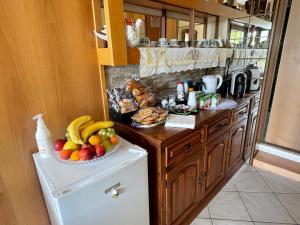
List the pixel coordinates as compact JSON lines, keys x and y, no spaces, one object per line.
{"x":212,"y":83}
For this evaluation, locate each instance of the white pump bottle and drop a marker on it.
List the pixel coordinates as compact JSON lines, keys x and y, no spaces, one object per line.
{"x":43,"y":136}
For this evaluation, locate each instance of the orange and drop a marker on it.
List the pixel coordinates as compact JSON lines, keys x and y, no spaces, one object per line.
{"x":65,"y":154}
{"x":114,"y":140}
{"x":95,"y":139}
{"x":75,"y":155}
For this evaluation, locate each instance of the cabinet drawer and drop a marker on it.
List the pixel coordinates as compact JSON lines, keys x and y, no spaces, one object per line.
{"x":240,"y":112}
{"x":185,"y":147}
{"x":217,"y":127}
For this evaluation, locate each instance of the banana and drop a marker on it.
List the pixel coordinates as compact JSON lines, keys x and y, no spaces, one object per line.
{"x":73,"y":129}
{"x":88,"y":131}
{"x":86,"y":125}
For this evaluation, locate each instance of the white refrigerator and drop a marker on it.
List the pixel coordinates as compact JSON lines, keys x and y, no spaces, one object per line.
{"x":110,"y":191}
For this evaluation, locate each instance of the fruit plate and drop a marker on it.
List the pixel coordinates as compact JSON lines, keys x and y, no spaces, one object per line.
{"x":113,"y":149}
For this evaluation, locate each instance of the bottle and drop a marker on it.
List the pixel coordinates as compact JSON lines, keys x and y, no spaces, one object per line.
{"x":180,"y":93}
{"x":192,"y":98}
{"x":43,"y":136}
{"x":186,"y":87}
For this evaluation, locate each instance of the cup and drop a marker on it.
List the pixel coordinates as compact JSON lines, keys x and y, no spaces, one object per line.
{"x":153,"y":43}
{"x":174,"y":42}
{"x":163,"y":41}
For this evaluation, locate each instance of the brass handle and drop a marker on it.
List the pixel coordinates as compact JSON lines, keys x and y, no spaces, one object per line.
{"x":202,"y":177}
{"x":221,"y":125}
{"x":188,"y":147}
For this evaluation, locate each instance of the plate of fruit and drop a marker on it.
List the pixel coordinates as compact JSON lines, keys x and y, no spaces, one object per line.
{"x":87,"y":141}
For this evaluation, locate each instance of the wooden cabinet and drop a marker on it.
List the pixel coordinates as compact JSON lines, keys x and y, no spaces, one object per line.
{"x":216,"y":159}
{"x":188,"y":167}
{"x":236,"y":143}
{"x":184,"y":188}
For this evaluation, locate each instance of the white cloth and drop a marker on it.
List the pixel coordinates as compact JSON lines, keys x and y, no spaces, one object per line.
{"x":170,"y":60}
{"x":181,"y":121}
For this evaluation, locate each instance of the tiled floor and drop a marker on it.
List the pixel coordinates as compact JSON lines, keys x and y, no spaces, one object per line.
{"x":254,"y":197}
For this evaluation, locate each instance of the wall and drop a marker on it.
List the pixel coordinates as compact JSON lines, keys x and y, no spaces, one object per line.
{"x":48,"y":65}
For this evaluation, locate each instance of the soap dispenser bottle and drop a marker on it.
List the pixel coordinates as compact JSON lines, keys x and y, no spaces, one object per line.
{"x":43,"y":136}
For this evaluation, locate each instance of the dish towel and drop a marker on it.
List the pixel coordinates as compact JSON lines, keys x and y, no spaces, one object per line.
{"x":181,"y":121}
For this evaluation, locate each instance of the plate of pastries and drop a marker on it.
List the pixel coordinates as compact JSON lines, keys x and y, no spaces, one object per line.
{"x":149,"y":117}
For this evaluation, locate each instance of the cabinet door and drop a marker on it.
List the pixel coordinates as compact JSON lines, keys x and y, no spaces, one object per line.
{"x":216,"y":160}
{"x":236,"y":146}
{"x":184,"y":188}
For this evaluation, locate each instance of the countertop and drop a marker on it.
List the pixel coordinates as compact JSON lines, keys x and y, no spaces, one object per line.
{"x":161,"y":134}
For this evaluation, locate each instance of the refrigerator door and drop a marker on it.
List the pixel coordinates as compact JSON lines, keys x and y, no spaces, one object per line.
{"x":121,"y":199}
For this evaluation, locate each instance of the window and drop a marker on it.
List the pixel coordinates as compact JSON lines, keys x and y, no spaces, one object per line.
{"x":236,"y":36}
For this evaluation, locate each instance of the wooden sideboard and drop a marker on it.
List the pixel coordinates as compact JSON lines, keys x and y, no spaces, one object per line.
{"x":188,"y":167}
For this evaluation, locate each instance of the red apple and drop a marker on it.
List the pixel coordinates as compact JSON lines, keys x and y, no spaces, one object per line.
{"x":100,"y":150}
{"x":86,"y":153}
{"x":59,"y":144}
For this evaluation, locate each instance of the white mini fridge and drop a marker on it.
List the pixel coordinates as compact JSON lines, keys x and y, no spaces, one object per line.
{"x":110,"y":191}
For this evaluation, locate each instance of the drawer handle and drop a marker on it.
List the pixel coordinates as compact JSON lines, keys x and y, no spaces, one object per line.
{"x":240,"y":114}
{"x":221,"y":125}
{"x":188,"y":147}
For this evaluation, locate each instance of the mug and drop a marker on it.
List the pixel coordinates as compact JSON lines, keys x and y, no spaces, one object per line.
{"x":212,"y":83}
{"x":174,"y":42}
{"x":163,"y":41}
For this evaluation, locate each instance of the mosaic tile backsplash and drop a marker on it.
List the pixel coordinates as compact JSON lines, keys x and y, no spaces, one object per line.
{"x":161,"y":85}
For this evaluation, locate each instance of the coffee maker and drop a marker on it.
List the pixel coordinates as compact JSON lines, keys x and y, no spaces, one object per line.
{"x":253,"y":78}
{"x":238,"y":84}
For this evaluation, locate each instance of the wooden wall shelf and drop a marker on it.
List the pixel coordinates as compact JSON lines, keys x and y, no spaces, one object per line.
{"x":204,"y":6}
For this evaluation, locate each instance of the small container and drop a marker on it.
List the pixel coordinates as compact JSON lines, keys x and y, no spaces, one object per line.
{"x":172,"y":101}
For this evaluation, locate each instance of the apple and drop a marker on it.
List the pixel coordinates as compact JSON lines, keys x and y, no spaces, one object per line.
{"x":86,"y":152}
{"x":59,"y":144}
{"x":100,"y":150}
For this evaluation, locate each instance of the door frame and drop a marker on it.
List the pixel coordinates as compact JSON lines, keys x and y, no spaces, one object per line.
{"x":274,"y":55}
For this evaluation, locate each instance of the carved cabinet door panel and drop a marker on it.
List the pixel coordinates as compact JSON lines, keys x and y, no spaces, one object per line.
{"x":184,"y":188}
{"x":236,"y":145}
{"x":216,"y":152}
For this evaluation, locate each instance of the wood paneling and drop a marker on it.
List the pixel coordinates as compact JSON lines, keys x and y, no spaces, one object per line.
{"x":48,"y":64}
{"x":283,"y":127}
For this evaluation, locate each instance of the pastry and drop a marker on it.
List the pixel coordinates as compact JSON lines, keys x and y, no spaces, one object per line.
{"x":150,"y":115}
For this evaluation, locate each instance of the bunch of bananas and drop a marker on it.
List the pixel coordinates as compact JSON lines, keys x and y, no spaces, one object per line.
{"x":83,"y":127}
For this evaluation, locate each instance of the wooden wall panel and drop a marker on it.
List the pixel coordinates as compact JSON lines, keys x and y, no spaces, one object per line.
{"x":48,"y":65}
{"x":283,"y":127}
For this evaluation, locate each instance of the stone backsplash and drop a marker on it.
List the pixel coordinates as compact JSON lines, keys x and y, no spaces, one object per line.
{"x":161,"y":85}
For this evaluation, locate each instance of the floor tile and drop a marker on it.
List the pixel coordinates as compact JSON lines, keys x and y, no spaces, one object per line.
{"x":292,"y":203}
{"x":265,"y":207}
{"x":199,"y":221}
{"x":247,"y":168}
{"x":250,"y":182}
{"x":258,"y":223}
{"x":281,"y":184}
{"x":229,"y":186}
{"x":231,"y":222}
{"x":228,"y":205}
{"x":204,"y":214}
